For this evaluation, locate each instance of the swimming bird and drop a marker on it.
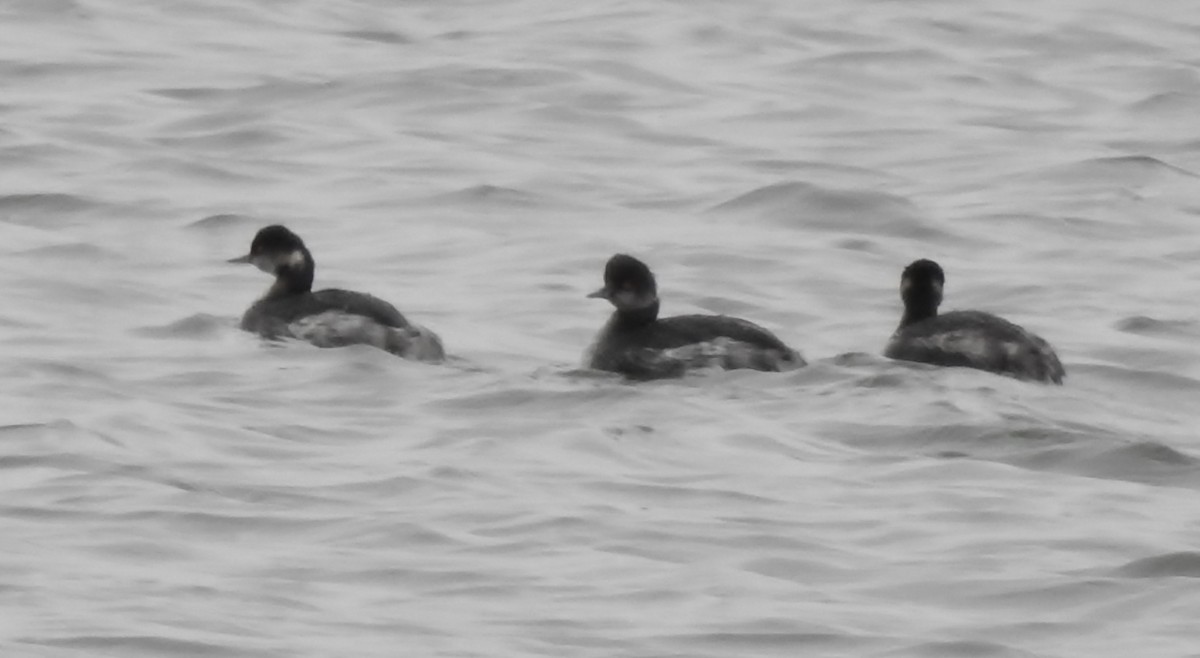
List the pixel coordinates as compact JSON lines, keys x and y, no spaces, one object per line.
{"x":640,"y":345}
{"x":325,"y":318}
{"x":971,"y":339}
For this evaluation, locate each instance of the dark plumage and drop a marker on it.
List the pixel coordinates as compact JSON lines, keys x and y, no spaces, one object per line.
{"x":637,"y":344}
{"x":326,"y":318}
{"x":971,"y":339}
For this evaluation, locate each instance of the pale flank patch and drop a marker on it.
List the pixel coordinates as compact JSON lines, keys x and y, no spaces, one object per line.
{"x":1013,"y":350}
{"x":1030,"y":358}
{"x":728,"y":354}
{"x":338,"y":329}
{"x":971,"y":344}
{"x":699,"y":355}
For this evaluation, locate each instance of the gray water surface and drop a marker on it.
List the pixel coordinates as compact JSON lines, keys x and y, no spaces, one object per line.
{"x":175,"y":487}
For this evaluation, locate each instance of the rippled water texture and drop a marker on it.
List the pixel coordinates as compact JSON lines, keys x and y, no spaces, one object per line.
{"x":175,"y":487}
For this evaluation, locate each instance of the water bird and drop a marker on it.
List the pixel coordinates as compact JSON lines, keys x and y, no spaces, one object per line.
{"x":970,"y":339}
{"x":638,"y":344}
{"x":326,"y":318}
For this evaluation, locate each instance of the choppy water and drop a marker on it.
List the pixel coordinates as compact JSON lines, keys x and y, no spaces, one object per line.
{"x":174,"y":487}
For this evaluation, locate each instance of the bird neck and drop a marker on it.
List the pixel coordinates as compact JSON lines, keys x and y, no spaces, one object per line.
{"x":631,"y":318}
{"x":294,"y":278}
{"x":918,"y":310}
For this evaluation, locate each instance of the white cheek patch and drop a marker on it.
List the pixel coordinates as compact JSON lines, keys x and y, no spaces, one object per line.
{"x":294,"y":260}
{"x":629,"y":299}
{"x":624,"y":298}
{"x":263,"y":263}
